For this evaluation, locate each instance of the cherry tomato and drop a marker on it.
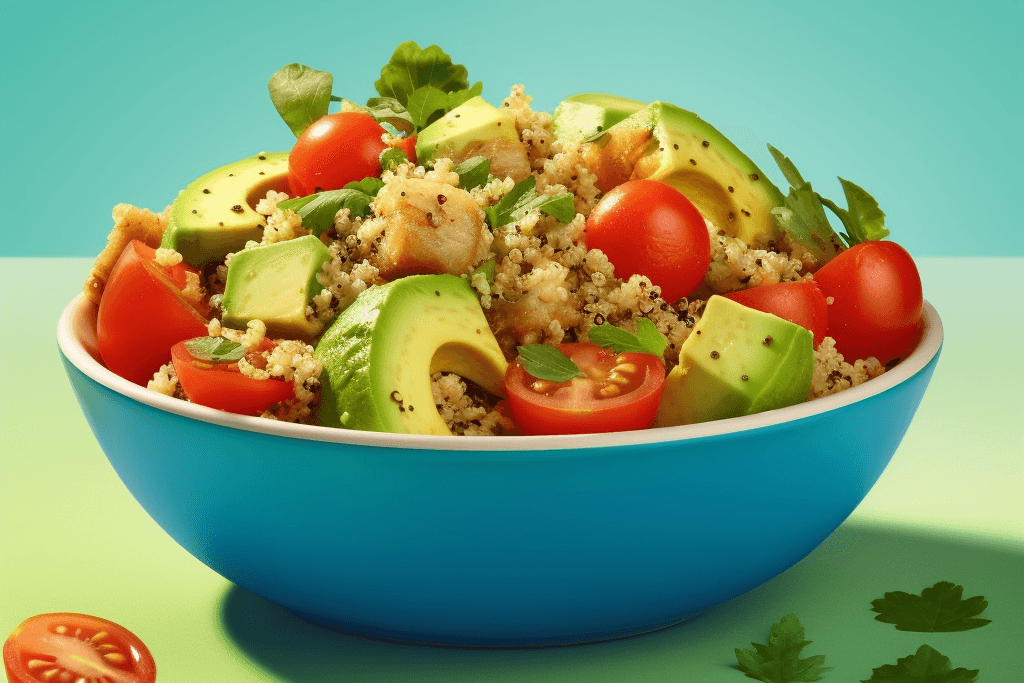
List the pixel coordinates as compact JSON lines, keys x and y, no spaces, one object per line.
{"x":798,"y":302}
{"x":52,"y":648}
{"x":876,"y":301}
{"x":334,"y":151}
{"x":408,"y":145}
{"x":648,"y":228}
{"x":143,"y":313}
{"x":224,"y":387}
{"x":620,"y":392}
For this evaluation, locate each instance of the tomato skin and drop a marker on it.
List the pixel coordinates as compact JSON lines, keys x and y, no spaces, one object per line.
{"x":876,"y":301}
{"x":65,"y":638}
{"x":142,"y":314}
{"x":223,"y":387}
{"x":333,"y":151}
{"x":574,"y":408}
{"x":798,"y":302}
{"x":648,"y":228}
{"x":408,"y":145}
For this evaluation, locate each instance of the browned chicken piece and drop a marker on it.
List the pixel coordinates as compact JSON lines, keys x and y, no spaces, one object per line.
{"x":428,"y":227}
{"x":130,"y":223}
{"x":508,"y":158}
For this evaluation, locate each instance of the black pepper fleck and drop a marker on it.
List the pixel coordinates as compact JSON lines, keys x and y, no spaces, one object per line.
{"x":705,"y":143}
{"x":675,"y":146}
{"x":599,"y":319}
{"x":437,"y":293}
{"x":206,"y":191}
{"x":262,"y":158}
{"x":693,"y":162}
{"x":731,"y":189}
{"x":237,"y":208}
{"x":396,"y":397}
{"x":441,"y":199}
{"x":732,"y":216}
{"x":194,"y":211}
{"x":715,"y":355}
{"x":745,"y":212}
{"x":403,"y":194}
{"x":754,"y":176}
{"x":767,"y":340}
{"x":744,"y":378}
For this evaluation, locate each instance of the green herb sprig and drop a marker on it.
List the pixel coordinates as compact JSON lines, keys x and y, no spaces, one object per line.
{"x":215,"y":349}
{"x":547,"y":362}
{"x":647,"y":338}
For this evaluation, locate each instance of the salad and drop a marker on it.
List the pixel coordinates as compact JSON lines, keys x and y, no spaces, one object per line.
{"x":429,"y":263}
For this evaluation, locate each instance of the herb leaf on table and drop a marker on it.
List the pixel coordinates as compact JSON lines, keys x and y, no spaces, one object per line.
{"x":940,"y":608}
{"x":779,"y":661}
{"x":924,"y":666}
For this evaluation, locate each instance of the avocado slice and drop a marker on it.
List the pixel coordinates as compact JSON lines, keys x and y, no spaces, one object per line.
{"x":274,"y":284}
{"x":216,"y":215}
{"x":379,"y":353}
{"x":675,"y":146}
{"x":588,"y":113}
{"x":737,"y":361}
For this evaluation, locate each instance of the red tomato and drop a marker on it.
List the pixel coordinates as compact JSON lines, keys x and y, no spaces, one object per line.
{"x":143,"y":313}
{"x":334,"y":151}
{"x":798,"y":302}
{"x":621,"y":392}
{"x":876,"y":301}
{"x":224,"y":387}
{"x":408,"y":145}
{"x":51,"y":648}
{"x":648,"y":228}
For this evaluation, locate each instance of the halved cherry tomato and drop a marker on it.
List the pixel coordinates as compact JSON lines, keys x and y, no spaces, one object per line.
{"x":621,"y":392}
{"x":333,"y":151}
{"x":648,"y":228}
{"x":798,"y":302}
{"x":876,"y":301}
{"x":143,"y":313}
{"x":52,"y":648}
{"x":224,"y":387}
{"x":408,"y":145}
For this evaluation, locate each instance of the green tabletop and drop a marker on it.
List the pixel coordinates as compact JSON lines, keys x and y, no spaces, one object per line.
{"x":948,"y":508}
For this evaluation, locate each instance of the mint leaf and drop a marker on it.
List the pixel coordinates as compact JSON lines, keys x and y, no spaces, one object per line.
{"x":473,"y":172}
{"x":392,"y":158}
{"x":215,"y":349}
{"x":803,"y":216}
{"x":547,"y":362}
{"x":411,"y":68}
{"x":317,"y":210}
{"x":646,"y":340}
{"x":779,"y":661}
{"x":939,"y":609}
{"x":301,"y":95}
{"x":924,"y":666}
{"x":863,"y":220}
{"x":523,"y":198}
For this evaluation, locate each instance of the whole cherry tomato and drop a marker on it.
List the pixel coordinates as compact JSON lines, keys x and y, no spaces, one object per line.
{"x":798,"y":302}
{"x":333,"y":151}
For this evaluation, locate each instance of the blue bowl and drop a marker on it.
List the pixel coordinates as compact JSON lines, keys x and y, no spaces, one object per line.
{"x":497,"y":541}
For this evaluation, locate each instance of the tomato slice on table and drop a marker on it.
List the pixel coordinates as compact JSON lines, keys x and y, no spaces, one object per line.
{"x":801,"y":303}
{"x":220,"y":384}
{"x":143,"y":313}
{"x":621,"y":391}
{"x":335,"y":150}
{"x":65,"y":647}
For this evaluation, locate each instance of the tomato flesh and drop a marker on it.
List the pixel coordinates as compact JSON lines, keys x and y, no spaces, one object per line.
{"x":408,"y":145}
{"x":648,"y":228}
{"x":143,"y":313}
{"x":223,"y":387}
{"x":72,"y":647}
{"x":621,"y":392}
{"x":801,"y":303}
{"x":333,"y":151}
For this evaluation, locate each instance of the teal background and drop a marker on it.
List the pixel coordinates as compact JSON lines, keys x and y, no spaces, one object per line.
{"x":115,"y":102}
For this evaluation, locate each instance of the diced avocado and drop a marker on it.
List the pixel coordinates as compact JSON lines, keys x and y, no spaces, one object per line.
{"x":582,"y":115}
{"x":215,"y":215}
{"x":675,"y":146}
{"x":274,"y":284}
{"x":475,"y":128}
{"x":379,"y":353}
{"x":737,"y":361}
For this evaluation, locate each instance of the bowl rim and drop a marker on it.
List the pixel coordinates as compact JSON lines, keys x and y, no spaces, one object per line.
{"x":76,"y":340}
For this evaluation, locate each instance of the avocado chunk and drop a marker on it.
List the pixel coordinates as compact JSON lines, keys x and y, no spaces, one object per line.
{"x":476,"y":128}
{"x":215,"y":215}
{"x":665,"y":143}
{"x":379,"y":353}
{"x":583,"y":115}
{"x":274,"y":284}
{"x":737,"y":361}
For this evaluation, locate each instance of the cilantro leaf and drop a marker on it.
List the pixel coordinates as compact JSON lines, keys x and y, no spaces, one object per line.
{"x":215,"y":349}
{"x":940,"y":608}
{"x":473,"y":172}
{"x":863,"y":220}
{"x":803,"y":216}
{"x":300,"y":94}
{"x":779,"y":661}
{"x":317,"y":211}
{"x":547,"y":362}
{"x":646,"y":340}
{"x":523,"y":198}
{"x":924,"y":666}
{"x":411,"y":68}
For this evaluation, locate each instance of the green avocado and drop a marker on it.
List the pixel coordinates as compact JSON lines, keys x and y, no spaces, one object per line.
{"x":379,"y":353}
{"x":737,"y":361}
{"x":215,"y":215}
{"x":274,"y":284}
{"x":678,"y":148}
{"x":473,"y":122}
{"x":583,"y":115}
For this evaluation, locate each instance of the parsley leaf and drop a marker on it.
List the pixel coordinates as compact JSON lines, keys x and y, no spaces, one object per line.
{"x":940,"y":608}
{"x":803,"y":215}
{"x":523,"y":198}
{"x":924,"y":666}
{"x":215,"y":349}
{"x":863,"y":220}
{"x":547,"y":362}
{"x":301,"y":95}
{"x":317,"y":211}
{"x":646,"y":340}
{"x":473,"y":172}
{"x":779,"y":661}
